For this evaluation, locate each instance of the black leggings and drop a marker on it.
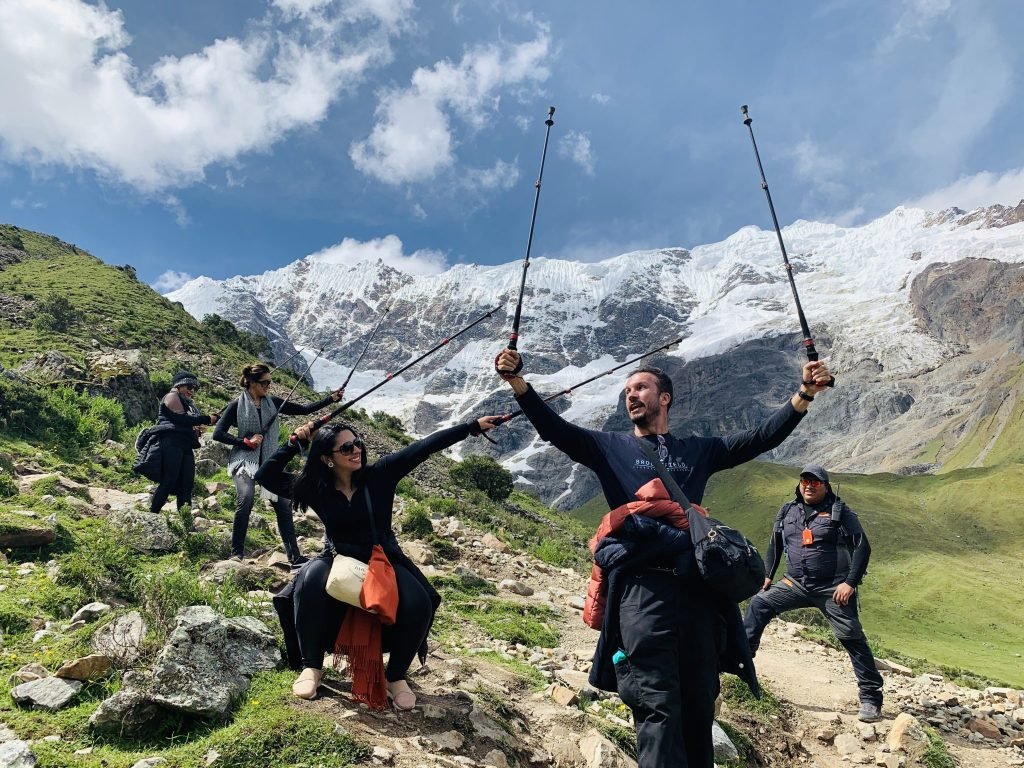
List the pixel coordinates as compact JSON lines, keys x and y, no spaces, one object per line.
{"x":177,"y":474}
{"x":245,"y":488}
{"x":318,"y":618}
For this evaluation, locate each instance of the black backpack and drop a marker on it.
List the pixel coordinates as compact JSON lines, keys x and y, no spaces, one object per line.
{"x":727,"y":560}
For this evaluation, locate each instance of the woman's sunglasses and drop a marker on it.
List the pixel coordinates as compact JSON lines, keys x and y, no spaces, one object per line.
{"x":348,"y":446}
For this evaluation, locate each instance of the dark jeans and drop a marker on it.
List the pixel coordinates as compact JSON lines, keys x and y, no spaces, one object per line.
{"x":245,"y":488}
{"x":177,"y":474}
{"x":318,"y":618}
{"x":787,"y":595}
{"x":672,"y":637}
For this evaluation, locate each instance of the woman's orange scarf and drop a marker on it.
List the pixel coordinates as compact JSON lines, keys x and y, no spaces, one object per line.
{"x":360,"y":635}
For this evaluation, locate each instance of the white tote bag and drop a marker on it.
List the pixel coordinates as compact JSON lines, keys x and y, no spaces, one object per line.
{"x":345,"y":581}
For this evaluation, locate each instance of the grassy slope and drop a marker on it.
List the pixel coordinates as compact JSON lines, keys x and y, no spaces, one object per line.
{"x":117,"y":311}
{"x":945,"y":582}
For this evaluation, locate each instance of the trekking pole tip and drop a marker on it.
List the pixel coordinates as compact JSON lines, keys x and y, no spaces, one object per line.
{"x":551,"y":114}
{"x":747,"y":119}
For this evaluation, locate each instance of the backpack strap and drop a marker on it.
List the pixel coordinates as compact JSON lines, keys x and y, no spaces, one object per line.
{"x":670,"y":484}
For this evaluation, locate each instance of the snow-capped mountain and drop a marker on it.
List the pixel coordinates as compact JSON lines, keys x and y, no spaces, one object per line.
{"x":891,"y":321}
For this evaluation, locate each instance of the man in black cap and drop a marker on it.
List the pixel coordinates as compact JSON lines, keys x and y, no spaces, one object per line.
{"x":827,"y":554}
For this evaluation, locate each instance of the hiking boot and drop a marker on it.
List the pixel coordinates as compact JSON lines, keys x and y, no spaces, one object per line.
{"x":298,"y":562}
{"x":401,"y":694}
{"x":235,"y":558}
{"x":869,"y":713}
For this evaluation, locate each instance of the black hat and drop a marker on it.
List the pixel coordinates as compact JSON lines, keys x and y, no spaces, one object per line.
{"x":185,"y":378}
{"x":815,"y":471}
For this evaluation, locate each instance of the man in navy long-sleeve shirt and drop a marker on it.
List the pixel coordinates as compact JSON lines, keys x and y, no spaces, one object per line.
{"x":666,"y":669}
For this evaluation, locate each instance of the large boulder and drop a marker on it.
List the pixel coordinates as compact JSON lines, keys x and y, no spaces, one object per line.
{"x":16,"y":754}
{"x":121,"y":375}
{"x":205,"y":667}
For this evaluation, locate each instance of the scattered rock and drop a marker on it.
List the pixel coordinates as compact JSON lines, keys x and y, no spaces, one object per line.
{"x":50,"y":693}
{"x":26,"y":533}
{"x":905,"y":732}
{"x":491,"y":541}
{"x":121,"y":639}
{"x":516,"y":587}
{"x":725,"y":750}
{"x":150,"y":762}
{"x":450,"y":741}
{"x":30,"y":672}
{"x":564,"y":696}
{"x":470,"y":578}
{"x":144,"y":532}
{"x":599,"y":752}
{"x":847,"y":744}
{"x":91,"y":667}
{"x":90,"y":612}
{"x":16,"y":754}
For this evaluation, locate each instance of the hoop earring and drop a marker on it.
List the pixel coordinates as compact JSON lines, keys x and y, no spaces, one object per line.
{"x":330,"y":464}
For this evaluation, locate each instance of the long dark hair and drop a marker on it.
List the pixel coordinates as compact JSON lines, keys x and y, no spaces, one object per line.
{"x":316,"y":478}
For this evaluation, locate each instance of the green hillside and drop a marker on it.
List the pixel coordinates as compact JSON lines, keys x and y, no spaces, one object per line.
{"x":55,"y":296}
{"x":945,"y":582}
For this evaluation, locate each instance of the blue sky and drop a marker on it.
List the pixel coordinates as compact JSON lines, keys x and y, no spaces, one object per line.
{"x":224,"y":137}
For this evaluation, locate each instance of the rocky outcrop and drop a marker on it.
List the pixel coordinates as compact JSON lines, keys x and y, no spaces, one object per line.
{"x":122,"y":376}
{"x":972,"y":302}
{"x":50,"y":367}
{"x":203,"y":670}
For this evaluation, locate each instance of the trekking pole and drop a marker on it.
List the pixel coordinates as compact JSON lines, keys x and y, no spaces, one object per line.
{"x":291,"y":391}
{"x":568,"y":390}
{"x":290,"y":358}
{"x":812,"y":353}
{"x":513,"y":339}
{"x":365,"y":347}
{"x":345,"y":406}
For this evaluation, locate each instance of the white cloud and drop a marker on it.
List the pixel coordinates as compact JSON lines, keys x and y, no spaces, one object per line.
{"x":413,"y":140}
{"x":969,"y":192}
{"x":576,"y":146}
{"x":916,"y":17}
{"x":819,"y":170}
{"x":501,"y":175}
{"x":522,"y":122}
{"x":388,"y":249}
{"x":600,"y":98}
{"x":176,"y":207}
{"x":76,"y":98}
{"x":977,"y":83}
{"x":171,"y":281}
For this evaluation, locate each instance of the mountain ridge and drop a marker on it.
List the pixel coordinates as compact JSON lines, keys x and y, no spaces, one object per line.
{"x":867,"y":292}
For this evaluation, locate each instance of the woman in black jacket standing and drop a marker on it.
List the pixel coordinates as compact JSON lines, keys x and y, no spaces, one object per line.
{"x":178,"y":426}
{"x":336,"y":482}
{"x":256,"y":414}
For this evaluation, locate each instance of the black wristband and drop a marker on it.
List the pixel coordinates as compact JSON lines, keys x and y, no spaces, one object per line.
{"x":804,"y":396}
{"x":474,"y":428}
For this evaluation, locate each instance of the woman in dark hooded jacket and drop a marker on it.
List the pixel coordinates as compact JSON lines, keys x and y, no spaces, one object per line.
{"x":178,"y":427}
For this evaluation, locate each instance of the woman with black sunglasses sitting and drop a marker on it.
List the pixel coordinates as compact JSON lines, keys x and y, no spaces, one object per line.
{"x":255,"y":412}
{"x":336,"y":482}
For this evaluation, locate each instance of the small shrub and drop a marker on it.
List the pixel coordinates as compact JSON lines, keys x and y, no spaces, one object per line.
{"x":485,"y":474}
{"x":442,"y":507}
{"x":936,"y":755}
{"x":442,"y":548}
{"x":387,"y":422}
{"x":8,"y":485}
{"x":737,"y":695}
{"x":56,"y":313}
{"x":219,"y":329}
{"x":163,"y":594}
{"x":100,"y":564}
{"x":416,"y":522}
{"x":407,"y":487}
